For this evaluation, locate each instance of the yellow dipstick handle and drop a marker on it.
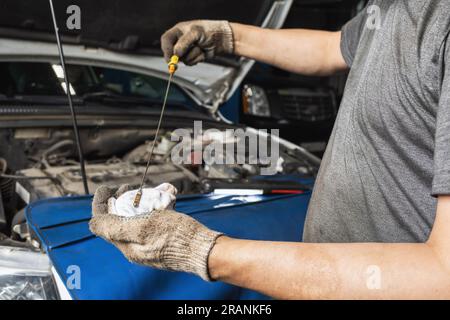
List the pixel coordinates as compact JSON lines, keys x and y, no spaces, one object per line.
{"x":173,"y":64}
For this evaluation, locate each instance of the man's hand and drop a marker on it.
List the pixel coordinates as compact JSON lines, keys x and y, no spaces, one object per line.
{"x":163,"y":239}
{"x":195,"y":41}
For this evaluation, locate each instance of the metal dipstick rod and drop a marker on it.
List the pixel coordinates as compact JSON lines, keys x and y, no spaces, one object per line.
{"x":173,"y":64}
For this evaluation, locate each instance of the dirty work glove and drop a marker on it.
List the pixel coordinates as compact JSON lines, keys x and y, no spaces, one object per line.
{"x":164,"y":239}
{"x":197,"y":40}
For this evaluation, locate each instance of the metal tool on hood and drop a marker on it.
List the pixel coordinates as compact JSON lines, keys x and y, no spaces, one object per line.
{"x":173,"y":65}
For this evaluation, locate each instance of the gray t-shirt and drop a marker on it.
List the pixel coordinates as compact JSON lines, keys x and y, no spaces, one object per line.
{"x":389,"y":153}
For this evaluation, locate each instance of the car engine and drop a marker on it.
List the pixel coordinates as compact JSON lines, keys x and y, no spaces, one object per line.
{"x":42,"y":163}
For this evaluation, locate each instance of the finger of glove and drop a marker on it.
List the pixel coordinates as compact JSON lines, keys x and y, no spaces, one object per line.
{"x":113,"y":228}
{"x":150,"y":229}
{"x":123,"y":188}
{"x":194,"y":56}
{"x":186,"y":42}
{"x":138,"y":229}
{"x":168,"y":41}
{"x":100,"y":201}
{"x":102,"y":223}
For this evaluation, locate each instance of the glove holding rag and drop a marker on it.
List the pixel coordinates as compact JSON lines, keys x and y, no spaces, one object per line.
{"x":164,"y":239}
{"x":197,"y":40}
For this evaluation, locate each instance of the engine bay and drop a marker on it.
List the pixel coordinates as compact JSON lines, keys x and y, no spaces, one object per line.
{"x":40,"y":163}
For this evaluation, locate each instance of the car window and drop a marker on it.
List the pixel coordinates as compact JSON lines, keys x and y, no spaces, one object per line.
{"x":46,"y":79}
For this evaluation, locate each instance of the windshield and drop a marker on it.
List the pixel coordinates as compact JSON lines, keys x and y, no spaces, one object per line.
{"x":46,"y":79}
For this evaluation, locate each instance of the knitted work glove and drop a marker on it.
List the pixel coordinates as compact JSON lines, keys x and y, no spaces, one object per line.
{"x":164,"y":239}
{"x":197,"y":40}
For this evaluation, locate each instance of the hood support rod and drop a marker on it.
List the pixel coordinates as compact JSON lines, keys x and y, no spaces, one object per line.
{"x":69,"y":97}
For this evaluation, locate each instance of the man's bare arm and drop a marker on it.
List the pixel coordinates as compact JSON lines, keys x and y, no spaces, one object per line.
{"x":307,"y":52}
{"x":340,"y":271}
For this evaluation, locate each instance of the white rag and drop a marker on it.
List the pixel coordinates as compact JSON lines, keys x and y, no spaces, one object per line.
{"x":160,"y":198}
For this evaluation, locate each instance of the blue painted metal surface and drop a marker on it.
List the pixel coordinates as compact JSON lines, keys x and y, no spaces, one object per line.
{"x":62,"y":226}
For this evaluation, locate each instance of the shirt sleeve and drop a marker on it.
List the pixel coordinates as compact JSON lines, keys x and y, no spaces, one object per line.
{"x":441,"y":178}
{"x":351,"y":34}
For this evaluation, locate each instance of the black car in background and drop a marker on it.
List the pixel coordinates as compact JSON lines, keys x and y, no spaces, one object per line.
{"x":303,"y":108}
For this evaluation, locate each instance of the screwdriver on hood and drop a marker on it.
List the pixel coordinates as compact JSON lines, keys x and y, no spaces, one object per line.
{"x":173,"y":65}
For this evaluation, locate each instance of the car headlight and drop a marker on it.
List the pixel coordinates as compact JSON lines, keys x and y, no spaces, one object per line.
{"x":25,"y":275}
{"x":255,"y":102}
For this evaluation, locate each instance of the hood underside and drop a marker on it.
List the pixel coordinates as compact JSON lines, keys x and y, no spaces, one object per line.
{"x":132,"y":26}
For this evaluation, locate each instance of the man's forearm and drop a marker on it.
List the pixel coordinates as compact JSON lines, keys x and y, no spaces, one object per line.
{"x":331,"y":271}
{"x":308,"y":52}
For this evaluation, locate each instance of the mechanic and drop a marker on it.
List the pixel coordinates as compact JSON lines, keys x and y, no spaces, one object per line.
{"x":381,"y":202}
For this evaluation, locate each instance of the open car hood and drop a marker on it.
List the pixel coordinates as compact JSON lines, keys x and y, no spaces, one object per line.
{"x":125,"y":34}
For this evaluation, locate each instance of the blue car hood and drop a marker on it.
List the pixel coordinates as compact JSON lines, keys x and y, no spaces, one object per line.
{"x":62,"y":226}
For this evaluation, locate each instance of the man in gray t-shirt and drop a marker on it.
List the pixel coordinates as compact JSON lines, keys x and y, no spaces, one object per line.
{"x":384,"y":181}
{"x":390,"y":148}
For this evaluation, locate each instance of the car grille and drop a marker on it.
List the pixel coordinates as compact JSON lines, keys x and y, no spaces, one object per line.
{"x":307,"y":105}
